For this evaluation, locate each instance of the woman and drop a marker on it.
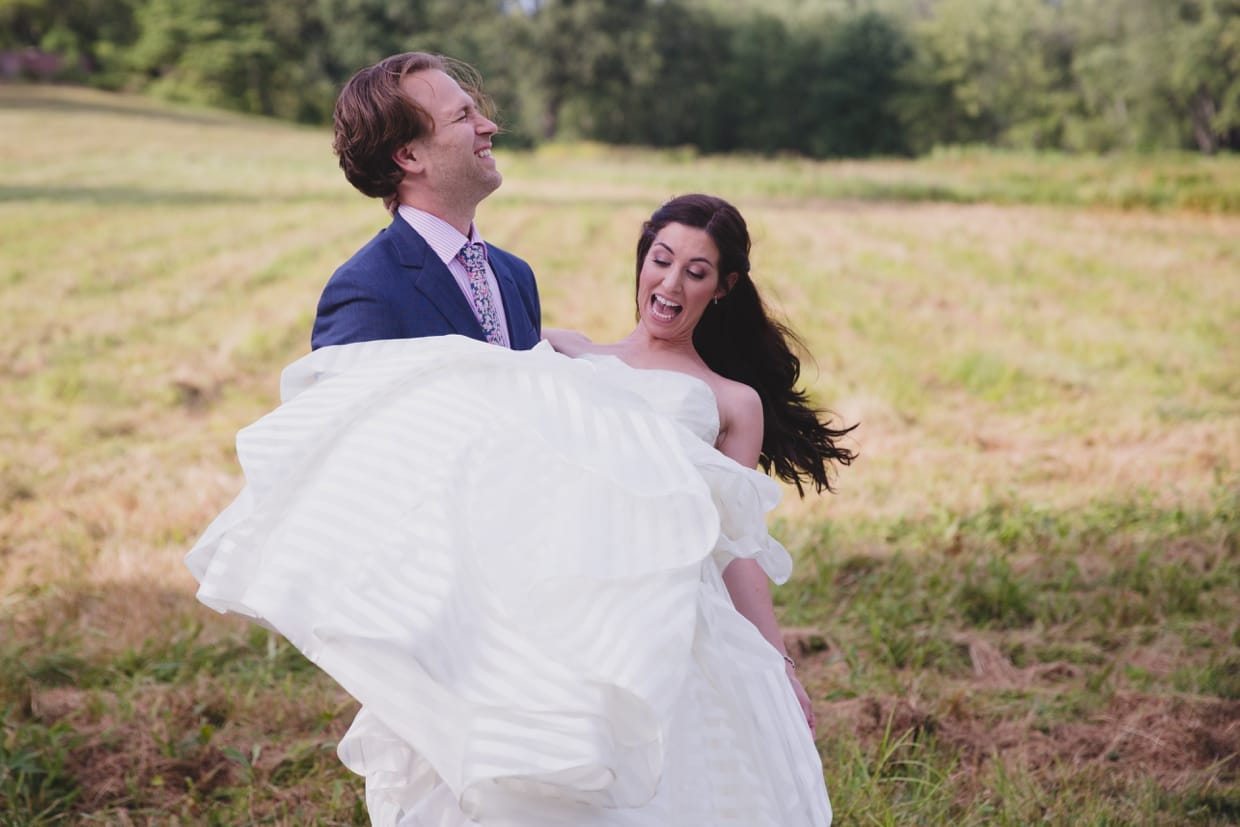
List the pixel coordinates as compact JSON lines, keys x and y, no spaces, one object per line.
{"x":545,"y":578}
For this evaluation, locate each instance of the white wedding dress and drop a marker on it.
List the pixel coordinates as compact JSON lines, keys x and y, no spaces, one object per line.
{"x":513,"y":561}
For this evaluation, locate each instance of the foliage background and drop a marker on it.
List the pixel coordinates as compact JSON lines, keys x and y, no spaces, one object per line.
{"x":823,"y":78}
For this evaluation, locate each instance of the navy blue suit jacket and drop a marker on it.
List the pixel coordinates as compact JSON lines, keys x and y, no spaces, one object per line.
{"x":397,"y":288}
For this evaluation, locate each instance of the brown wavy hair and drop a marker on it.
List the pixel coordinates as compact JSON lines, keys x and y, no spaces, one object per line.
{"x":374,"y":116}
{"x":738,"y":339}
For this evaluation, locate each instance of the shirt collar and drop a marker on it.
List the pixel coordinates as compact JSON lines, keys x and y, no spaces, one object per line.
{"x":442,"y":237}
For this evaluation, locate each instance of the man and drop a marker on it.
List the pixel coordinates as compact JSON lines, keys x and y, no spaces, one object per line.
{"x":413,"y":130}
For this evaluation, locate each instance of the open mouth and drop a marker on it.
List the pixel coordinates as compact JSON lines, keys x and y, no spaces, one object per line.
{"x":662,"y":309}
{"x":483,"y":153}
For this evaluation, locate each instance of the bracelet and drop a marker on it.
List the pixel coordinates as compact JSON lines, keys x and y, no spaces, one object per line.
{"x":791,"y":663}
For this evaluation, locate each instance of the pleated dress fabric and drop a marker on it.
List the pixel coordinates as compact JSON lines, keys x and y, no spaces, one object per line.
{"x":513,"y":561}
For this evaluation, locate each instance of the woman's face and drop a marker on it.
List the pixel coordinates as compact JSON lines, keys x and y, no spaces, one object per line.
{"x":679,"y":277}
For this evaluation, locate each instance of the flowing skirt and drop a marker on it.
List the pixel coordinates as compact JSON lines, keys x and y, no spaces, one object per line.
{"x":513,"y":561}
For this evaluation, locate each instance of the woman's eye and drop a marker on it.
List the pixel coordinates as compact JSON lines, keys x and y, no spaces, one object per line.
{"x":694,"y":274}
{"x":661,"y":262}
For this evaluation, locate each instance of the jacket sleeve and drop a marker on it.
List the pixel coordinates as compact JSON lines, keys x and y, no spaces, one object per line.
{"x":350,"y":311}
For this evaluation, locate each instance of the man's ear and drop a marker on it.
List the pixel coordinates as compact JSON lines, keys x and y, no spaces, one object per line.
{"x":408,"y":158}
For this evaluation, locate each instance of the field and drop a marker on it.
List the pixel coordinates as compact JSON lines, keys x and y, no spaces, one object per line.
{"x":1022,"y":606}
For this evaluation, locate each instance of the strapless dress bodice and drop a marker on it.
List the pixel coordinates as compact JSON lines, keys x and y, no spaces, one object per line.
{"x":686,"y":399}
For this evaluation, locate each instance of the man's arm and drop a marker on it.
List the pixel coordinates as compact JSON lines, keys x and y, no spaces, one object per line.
{"x":349,"y":312}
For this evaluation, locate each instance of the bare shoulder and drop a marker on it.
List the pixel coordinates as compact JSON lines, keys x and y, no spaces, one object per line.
{"x":568,"y":342}
{"x":740,"y":420}
{"x":739,"y":402}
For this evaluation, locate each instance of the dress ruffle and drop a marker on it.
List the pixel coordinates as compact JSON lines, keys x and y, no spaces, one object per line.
{"x":513,"y":561}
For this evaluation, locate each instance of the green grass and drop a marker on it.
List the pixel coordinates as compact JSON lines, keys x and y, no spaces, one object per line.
{"x":1021,"y":607}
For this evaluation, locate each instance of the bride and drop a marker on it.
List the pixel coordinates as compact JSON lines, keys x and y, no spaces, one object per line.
{"x":544,"y":574}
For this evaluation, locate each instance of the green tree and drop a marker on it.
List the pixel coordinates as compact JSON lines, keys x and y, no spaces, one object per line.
{"x":663,"y":86}
{"x":1204,"y":73}
{"x":579,"y":47}
{"x":288,"y":58}
{"x":988,"y":71}
{"x":1156,"y":74}
{"x":88,"y":35}
{"x":819,"y":77}
{"x":761,"y":85}
{"x":682,"y":74}
{"x":214,"y":52}
{"x":853,"y":78}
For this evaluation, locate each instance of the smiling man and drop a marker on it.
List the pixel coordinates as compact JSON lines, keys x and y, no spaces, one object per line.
{"x":414,"y":130}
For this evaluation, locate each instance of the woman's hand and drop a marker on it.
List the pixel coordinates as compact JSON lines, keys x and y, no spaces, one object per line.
{"x":748,"y":586}
{"x":802,"y":698}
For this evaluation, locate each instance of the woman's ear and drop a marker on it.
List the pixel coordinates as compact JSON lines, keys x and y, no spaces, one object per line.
{"x":726,"y":285}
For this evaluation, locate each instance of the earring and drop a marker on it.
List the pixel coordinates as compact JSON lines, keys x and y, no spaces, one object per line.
{"x":716,"y":300}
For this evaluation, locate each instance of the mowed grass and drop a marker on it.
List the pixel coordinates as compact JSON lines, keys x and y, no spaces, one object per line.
{"x":1023,"y":605}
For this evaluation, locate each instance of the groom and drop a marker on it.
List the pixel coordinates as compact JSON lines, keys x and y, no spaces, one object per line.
{"x":413,"y":130}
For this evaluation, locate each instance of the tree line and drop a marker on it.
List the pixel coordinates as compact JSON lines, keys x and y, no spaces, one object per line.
{"x":822,"y":78}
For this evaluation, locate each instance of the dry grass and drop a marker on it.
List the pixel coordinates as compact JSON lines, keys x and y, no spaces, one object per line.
{"x":1054,"y":388}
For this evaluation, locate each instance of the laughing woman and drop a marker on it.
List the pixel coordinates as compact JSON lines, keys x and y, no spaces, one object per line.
{"x":544,"y":574}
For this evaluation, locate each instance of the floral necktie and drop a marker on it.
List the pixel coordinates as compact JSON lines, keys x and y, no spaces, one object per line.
{"x":474,"y":259}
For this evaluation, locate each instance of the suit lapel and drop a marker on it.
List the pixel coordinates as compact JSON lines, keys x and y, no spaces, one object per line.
{"x":432,"y":279}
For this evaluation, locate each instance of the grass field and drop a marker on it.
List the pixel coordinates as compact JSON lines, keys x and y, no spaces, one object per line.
{"x":1023,"y":605}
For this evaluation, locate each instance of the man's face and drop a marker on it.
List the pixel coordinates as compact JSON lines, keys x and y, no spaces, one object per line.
{"x":456,"y":155}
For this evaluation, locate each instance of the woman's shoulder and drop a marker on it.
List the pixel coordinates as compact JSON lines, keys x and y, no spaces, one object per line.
{"x":736,"y":399}
{"x":740,"y":419}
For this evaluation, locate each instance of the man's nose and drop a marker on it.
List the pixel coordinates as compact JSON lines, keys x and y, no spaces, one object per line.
{"x":486,"y":126}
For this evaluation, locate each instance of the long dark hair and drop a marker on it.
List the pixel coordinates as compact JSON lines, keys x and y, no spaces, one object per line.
{"x":739,"y":340}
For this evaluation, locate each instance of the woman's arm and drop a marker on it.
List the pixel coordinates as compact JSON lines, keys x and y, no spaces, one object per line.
{"x":747,"y":583}
{"x":568,"y":342}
